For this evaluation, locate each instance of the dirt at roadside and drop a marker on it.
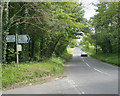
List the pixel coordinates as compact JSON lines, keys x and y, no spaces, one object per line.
{"x":35,"y":81}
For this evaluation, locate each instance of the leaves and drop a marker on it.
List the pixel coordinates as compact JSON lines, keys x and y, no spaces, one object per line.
{"x":106,"y":27}
{"x":51,"y":27}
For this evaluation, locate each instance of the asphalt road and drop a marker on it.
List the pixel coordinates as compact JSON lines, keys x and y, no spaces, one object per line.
{"x":85,"y":75}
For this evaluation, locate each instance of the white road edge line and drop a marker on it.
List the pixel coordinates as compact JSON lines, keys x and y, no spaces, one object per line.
{"x":102,"y":72}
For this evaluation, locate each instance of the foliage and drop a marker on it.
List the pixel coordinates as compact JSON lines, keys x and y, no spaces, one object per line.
{"x":108,"y":57}
{"x":73,"y":43}
{"x":101,"y":40}
{"x":51,"y":27}
{"x":26,"y":72}
{"x":104,"y":28}
{"x":71,"y":50}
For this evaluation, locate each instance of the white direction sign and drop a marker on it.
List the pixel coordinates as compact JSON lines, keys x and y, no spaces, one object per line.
{"x":20,"y":38}
{"x":9,"y":38}
{"x":23,"y":38}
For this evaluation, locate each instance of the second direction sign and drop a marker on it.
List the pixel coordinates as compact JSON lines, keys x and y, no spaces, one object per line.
{"x":23,"y":38}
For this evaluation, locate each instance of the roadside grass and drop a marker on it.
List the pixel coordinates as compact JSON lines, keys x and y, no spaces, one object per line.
{"x":106,"y":57}
{"x":28,"y":72}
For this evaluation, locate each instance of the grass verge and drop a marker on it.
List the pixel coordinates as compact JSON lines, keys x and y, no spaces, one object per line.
{"x":106,"y":57}
{"x":32,"y":72}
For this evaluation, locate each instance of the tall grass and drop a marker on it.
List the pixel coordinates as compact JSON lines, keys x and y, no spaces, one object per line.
{"x":12,"y":74}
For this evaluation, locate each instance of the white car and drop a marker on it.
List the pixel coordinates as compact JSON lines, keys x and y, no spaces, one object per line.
{"x":84,"y":54}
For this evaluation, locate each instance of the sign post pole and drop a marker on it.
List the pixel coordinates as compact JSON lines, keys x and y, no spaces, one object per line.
{"x":17,"y":56}
{"x":18,"y":39}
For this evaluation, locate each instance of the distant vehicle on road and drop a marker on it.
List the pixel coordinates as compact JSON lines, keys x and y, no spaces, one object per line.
{"x":77,"y":45}
{"x":84,"y":54}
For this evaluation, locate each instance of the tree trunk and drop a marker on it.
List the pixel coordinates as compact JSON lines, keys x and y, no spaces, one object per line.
{"x":5,"y":31}
{"x":54,"y":46}
{"x":1,"y":35}
{"x":110,"y":46}
{"x":96,"y":48}
{"x":41,"y":46}
{"x":32,"y":49}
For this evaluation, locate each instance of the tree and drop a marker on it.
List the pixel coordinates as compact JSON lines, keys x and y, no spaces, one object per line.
{"x":106,"y":26}
{"x":51,"y":27}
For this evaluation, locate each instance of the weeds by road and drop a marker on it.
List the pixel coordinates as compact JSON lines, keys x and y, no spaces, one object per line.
{"x":32,"y":72}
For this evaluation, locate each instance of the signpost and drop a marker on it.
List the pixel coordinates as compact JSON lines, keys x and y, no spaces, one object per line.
{"x":9,"y":38}
{"x":23,"y":38}
{"x":18,"y":39}
{"x":17,"y":56}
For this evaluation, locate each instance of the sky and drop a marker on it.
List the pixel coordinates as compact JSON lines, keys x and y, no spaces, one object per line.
{"x":89,"y":8}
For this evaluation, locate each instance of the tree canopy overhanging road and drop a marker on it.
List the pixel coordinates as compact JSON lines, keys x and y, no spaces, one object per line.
{"x":54,"y":29}
{"x":53,"y":26}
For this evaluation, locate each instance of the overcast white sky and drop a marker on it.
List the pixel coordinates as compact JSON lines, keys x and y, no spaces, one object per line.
{"x":89,"y":8}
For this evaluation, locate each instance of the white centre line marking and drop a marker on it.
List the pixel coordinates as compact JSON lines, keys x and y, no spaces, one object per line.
{"x":85,"y":62}
{"x":0,"y":93}
{"x":102,"y":72}
{"x":95,"y":68}
{"x":73,"y":84}
{"x":83,"y":92}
